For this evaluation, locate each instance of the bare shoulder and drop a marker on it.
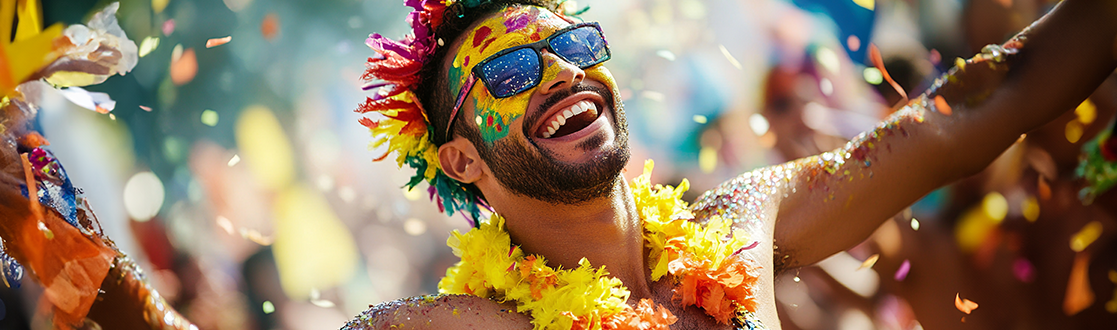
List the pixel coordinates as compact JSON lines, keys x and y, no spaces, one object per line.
{"x":748,"y":199}
{"x":440,"y":312}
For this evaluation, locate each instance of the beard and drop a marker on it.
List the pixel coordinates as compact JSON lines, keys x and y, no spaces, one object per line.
{"x":541,"y":176}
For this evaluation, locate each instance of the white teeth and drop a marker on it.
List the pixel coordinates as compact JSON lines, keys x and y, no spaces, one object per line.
{"x":574,"y":110}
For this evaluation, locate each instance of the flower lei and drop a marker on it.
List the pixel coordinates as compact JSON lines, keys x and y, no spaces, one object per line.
{"x":1098,"y":165}
{"x":701,"y":258}
{"x":403,"y":124}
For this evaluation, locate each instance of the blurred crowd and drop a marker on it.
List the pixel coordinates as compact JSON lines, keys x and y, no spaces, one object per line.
{"x":237,"y":175}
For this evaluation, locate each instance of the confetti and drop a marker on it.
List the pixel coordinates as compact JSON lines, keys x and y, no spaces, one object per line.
{"x":1086,"y":236}
{"x":148,"y":45}
{"x":935,"y":57}
{"x":269,"y":27}
{"x":707,"y":159}
{"x":112,"y":116}
{"x":214,"y":42}
{"x":322,"y":303}
{"x":867,"y":4}
{"x":872,"y":76}
{"x":730,"y":57}
{"x":902,"y":273}
{"x":1023,"y":270}
{"x":168,"y":27}
{"x":158,"y":5}
{"x":184,"y":67}
{"x":1043,"y":189}
{"x":796,"y":279}
{"x":878,"y":62}
{"x":233,"y":161}
{"x":1030,"y":208}
{"x":99,"y":102}
{"x":700,"y":119}
{"x":225,"y":224}
{"x":914,"y":224}
{"x":666,"y":54}
{"x":268,"y":307}
{"x":853,"y":42}
{"x":1087,"y":112}
{"x":964,"y":305}
{"x":872,"y":260}
{"x":209,"y":118}
{"x":941,"y":105}
{"x":1074,"y":131}
{"x":1079,"y":296}
{"x":148,"y":109}
{"x":828,"y":59}
{"x":256,"y":237}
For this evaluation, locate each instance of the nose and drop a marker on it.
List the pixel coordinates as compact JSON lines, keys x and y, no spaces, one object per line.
{"x":559,"y":74}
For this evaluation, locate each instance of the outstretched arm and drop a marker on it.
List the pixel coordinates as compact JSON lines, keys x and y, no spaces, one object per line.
{"x":953,"y":130}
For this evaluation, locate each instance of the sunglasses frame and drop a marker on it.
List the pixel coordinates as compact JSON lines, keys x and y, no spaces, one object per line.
{"x":538,"y":47}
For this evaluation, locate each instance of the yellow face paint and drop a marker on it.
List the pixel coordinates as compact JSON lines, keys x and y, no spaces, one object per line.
{"x":516,"y":25}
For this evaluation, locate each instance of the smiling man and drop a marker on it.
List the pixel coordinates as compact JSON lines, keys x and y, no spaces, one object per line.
{"x":508,"y":105}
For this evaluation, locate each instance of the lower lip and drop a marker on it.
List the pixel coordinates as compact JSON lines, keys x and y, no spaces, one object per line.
{"x":596,"y":125}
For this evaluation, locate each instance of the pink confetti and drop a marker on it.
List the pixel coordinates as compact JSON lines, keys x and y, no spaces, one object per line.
{"x":902,"y":273}
{"x":168,"y":27}
{"x":1024,"y":270}
{"x":148,"y":109}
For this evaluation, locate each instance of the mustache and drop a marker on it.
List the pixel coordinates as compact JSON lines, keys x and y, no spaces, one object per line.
{"x":562,"y":94}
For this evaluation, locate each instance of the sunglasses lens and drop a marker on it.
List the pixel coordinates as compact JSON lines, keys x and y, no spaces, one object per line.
{"x":512,"y":73}
{"x":584,"y":46}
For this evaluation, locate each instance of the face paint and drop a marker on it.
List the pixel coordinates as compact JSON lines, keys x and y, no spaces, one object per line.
{"x":516,"y":25}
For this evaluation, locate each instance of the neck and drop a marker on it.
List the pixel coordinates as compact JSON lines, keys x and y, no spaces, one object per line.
{"x":607,"y":232}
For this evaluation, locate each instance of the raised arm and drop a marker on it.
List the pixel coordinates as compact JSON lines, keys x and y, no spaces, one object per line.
{"x":953,"y":130}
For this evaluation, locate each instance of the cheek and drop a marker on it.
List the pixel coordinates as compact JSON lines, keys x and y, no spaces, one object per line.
{"x":495,"y":116}
{"x":602,"y":74}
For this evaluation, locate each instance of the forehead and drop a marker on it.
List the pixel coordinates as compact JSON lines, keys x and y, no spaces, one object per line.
{"x":509,"y":27}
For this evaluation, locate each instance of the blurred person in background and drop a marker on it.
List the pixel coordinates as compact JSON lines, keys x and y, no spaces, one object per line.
{"x":541,"y":97}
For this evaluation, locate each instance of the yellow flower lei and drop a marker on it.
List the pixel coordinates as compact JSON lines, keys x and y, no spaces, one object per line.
{"x":701,"y":257}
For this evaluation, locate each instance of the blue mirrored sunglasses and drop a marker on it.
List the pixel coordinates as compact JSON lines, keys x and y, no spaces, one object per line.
{"x":517,"y":69}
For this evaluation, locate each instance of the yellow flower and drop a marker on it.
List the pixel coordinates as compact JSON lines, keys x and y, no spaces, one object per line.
{"x":33,"y":47}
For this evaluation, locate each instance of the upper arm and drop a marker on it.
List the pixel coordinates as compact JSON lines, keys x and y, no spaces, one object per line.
{"x":837,"y":199}
{"x":440,"y":312}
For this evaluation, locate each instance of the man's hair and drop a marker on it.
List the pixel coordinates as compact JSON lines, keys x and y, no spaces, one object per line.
{"x":432,"y":89}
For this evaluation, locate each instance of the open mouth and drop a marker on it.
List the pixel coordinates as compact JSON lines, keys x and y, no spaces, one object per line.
{"x":570,"y":119}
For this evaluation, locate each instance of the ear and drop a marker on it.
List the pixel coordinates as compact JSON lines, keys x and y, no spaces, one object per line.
{"x":459,"y":160}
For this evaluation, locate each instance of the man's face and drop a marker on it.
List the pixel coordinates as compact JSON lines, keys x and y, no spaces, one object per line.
{"x":516,"y":136}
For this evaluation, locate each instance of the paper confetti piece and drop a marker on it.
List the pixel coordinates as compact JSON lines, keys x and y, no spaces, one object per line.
{"x":1074,"y":131}
{"x":869,"y":262}
{"x":184,"y":67}
{"x":728,"y":56}
{"x":700,"y":119}
{"x":1086,"y":236}
{"x":1087,"y":112}
{"x":1079,"y":296}
{"x":878,"y":62}
{"x":256,"y":237}
{"x":853,"y":42}
{"x":99,"y":102}
{"x":225,"y":224}
{"x":902,"y":273}
{"x":148,"y":109}
{"x":1043,"y":190}
{"x":867,"y":4}
{"x":1023,"y":270}
{"x":268,"y":307}
{"x":322,"y":303}
{"x":148,"y":45}
{"x":941,"y":105}
{"x":914,"y":224}
{"x":209,"y":118}
{"x":233,"y":161}
{"x":964,"y":305}
{"x":214,"y":42}
{"x":168,"y":27}
{"x":269,"y":27}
